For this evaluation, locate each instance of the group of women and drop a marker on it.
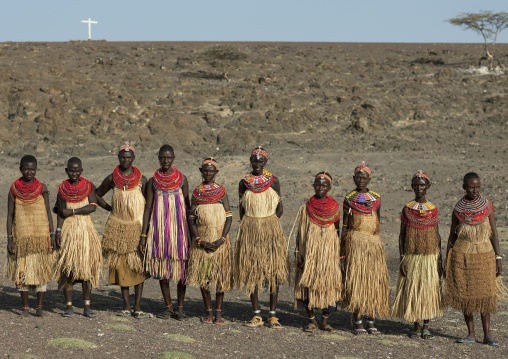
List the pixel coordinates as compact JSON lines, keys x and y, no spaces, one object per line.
{"x":158,"y":228}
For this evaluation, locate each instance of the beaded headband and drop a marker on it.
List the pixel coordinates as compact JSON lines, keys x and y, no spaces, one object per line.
{"x":325,"y":176}
{"x":421,"y":174}
{"x":259,"y":152}
{"x":211,"y":162}
{"x":127,"y":147}
{"x":362,"y":168}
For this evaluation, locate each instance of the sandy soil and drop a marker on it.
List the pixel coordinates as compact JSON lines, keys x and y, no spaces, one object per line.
{"x":399,"y":107}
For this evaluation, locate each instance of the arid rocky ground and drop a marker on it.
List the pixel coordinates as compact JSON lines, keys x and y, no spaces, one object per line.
{"x":319,"y":106}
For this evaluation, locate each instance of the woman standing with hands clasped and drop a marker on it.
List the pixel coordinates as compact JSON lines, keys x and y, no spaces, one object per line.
{"x":210,"y":258}
{"x":318,"y":279}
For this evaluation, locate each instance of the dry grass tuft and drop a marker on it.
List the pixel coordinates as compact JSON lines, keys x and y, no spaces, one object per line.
{"x":71,"y":343}
{"x":179,"y":338}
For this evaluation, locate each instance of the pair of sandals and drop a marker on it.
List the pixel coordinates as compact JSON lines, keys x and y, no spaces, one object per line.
{"x":138,"y":314}
{"x":311,"y":328}
{"x":257,"y":321}
{"x":362,"y":331}
{"x":69,"y":313}
{"x":467,"y":340}
{"x":210,"y":320}
{"x":425,"y":334}
{"x":168,"y":314}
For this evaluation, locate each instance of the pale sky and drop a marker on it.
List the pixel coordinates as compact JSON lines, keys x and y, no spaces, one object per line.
{"x":242,"y":20}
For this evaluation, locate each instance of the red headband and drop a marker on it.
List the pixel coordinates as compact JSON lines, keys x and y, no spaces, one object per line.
{"x":325,"y":176}
{"x":259,"y":152}
{"x":210,"y":161}
{"x":127,"y":147}
{"x":362,"y":168}
{"x":421,"y":174}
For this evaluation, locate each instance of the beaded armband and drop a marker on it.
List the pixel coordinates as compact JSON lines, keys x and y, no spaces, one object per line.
{"x":229,"y":214}
{"x":191,"y":216}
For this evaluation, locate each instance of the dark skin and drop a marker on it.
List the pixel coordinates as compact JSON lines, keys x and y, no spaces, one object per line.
{"x":362,"y":180}
{"x":420,"y":187}
{"x":74,"y":170}
{"x":125,"y":159}
{"x":166,"y":159}
{"x":208,"y":172}
{"x":28,"y":171}
{"x":258,"y":163}
{"x":321,"y":188}
{"x":472,"y":186}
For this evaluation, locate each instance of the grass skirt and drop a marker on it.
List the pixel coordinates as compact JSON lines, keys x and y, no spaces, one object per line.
{"x":80,"y":253}
{"x":421,"y":241}
{"x":34,"y":262}
{"x":471,"y":284}
{"x":32,"y":270}
{"x":211,"y":270}
{"x":260,"y":254}
{"x":319,"y":283}
{"x":167,"y":245}
{"x":123,"y":229}
{"x":366,"y":279}
{"x":419,"y":294}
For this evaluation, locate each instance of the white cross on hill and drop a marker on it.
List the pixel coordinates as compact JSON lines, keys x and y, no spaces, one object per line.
{"x":89,"y":22}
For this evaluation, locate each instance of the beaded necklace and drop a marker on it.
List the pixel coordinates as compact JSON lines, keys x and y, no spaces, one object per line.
{"x":27,"y":193}
{"x":258,"y":184}
{"x":419,"y":215}
{"x":171,"y":182}
{"x":362,"y":203}
{"x":74,"y":193}
{"x":323,"y":212}
{"x":124,"y":182}
{"x":473,"y":212}
{"x":208,"y":193}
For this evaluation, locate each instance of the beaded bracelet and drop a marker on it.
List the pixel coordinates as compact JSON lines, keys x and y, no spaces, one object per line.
{"x":58,"y":230}
{"x":142,"y":235}
{"x":499,"y":257}
{"x":342,"y":257}
{"x":73,"y":213}
{"x":93,"y":204}
{"x":223,"y":239}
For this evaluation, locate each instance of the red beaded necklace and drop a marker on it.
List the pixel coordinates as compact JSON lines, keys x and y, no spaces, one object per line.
{"x":27,"y":193}
{"x":258,"y":184}
{"x":362,"y":203}
{"x":74,"y":193}
{"x":127,"y":182}
{"x":208,"y":193}
{"x":168,"y":183}
{"x":323,"y":212}
{"x":419,"y":215}
{"x":473,"y":212}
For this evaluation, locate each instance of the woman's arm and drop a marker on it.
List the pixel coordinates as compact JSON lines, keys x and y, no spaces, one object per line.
{"x":10,"y":220}
{"x":276,"y":187}
{"x":147,"y":213}
{"x":494,"y":239}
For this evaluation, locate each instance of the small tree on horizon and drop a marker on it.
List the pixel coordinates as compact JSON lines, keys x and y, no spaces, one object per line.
{"x":488,"y":24}
{"x":223,"y":55}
